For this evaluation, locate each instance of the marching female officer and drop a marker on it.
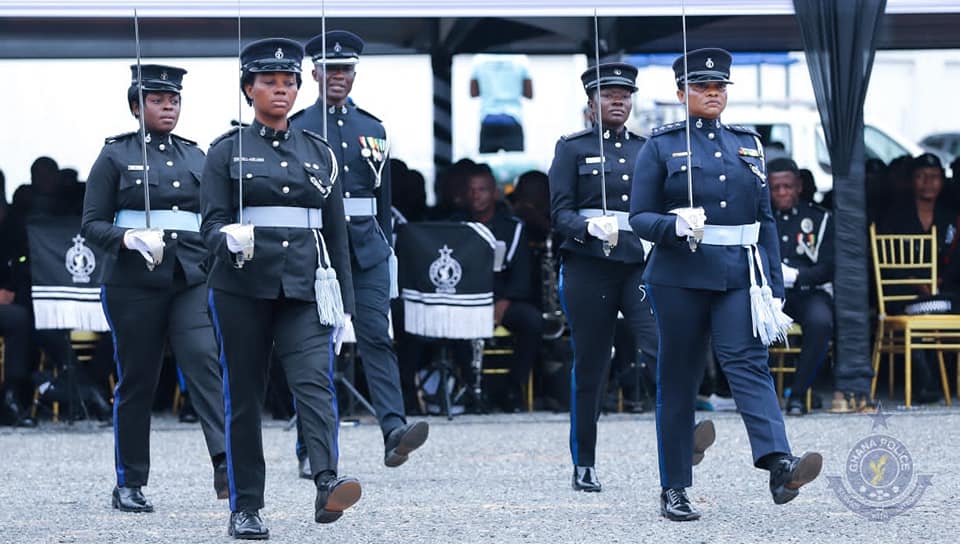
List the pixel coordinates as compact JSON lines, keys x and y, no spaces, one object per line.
{"x":602,"y":261}
{"x":273,"y":220}
{"x":718,"y":290}
{"x":153,"y":281}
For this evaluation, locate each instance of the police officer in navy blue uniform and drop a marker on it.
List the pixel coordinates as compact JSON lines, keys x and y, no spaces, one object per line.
{"x":280,"y":281}
{"x":806,"y":254}
{"x":360,"y":143}
{"x":153,"y":281}
{"x":706,"y":294}
{"x":601,"y":259}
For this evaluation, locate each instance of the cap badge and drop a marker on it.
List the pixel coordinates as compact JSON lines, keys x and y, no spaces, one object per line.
{"x":337,"y":47}
{"x":709,"y":63}
{"x":617,"y":72}
{"x":278,"y":54}
{"x":163,"y":75}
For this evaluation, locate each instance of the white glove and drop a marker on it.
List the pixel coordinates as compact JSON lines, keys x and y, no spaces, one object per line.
{"x":239,"y":239}
{"x":149,"y":242}
{"x":344,"y":332}
{"x":789,"y":275}
{"x":689,"y":220}
{"x":605,"y":228}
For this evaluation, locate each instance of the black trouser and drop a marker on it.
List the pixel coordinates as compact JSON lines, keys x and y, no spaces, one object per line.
{"x":15,"y":328}
{"x":592,"y":291}
{"x":247,"y":330}
{"x":141,"y":320}
{"x":497,"y":136}
{"x":525,"y":323}
{"x":813,"y":310}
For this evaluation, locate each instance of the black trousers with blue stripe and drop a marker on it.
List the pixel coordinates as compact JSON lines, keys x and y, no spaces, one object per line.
{"x":141,"y":321}
{"x":247,"y":329}
{"x":686,"y":319}
{"x":592,"y":291}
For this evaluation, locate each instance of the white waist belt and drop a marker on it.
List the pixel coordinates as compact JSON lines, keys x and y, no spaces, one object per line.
{"x":283,"y":216}
{"x":731,"y":235}
{"x":623,"y":218}
{"x":159,"y":219}
{"x":360,"y":206}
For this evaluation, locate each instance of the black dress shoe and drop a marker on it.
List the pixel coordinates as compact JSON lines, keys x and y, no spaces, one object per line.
{"x":791,"y":473}
{"x":187,"y":413}
{"x":97,"y":404}
{"x":221,"y":480}
{"x":795,"y":406}
{"x":14,"y":415}
{"x":303,"y":467}
{"x":675,"y":506}
{"x":247,"y":526}
{"x":704,"y":435}
{"x":585,"y":479}
{"x":402,"y":441}
{"x":334,"y":496}
{"x":130,"y":499}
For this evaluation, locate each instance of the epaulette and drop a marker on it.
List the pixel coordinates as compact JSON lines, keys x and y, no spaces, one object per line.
{"x":370,"y":115}
{"x":224,"y":136}
{"x":119,"y":137}
{"x":816,"y":207}
{"x":636,"y":136}
{"x":296,"y":115}
{"x":573,"y":135}
{"x":316,"y":136}
{"x":742,"y":129}
{"x":666,"y":129}
{"x":184,"y":140}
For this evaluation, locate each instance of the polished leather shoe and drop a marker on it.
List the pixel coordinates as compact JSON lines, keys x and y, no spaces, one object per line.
{"x":221,"y":480}
{"x":704,"y":435}
{"x":675,"y":506}
{"x":585,"y":479}
{"x":15,"y":416}
{"x":791,"y":473}
{"x":130,"y":499}
{"x":303,"y":468}
{"x":796,"y":407}
{"x":247,"y":526}
{"x":402,"y":441}
{"x":334,"y":496}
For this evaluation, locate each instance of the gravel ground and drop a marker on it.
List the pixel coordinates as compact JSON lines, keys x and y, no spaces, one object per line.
{"x":496,"y":479}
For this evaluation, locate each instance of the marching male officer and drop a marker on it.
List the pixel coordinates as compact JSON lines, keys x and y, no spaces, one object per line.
{"x":360,"y":143}
{"x":601,"y":259}
{"x":806,"y":255}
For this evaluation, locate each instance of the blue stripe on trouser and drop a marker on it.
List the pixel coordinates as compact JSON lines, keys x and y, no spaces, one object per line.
{"x":297,"y":445}
{"x":180,"y":380}
{"x":227,"y":411}
{"x":656,"y":316}
{"x":121,"y":476}
{"x":333,"y":401}
{"x":574,"y":446}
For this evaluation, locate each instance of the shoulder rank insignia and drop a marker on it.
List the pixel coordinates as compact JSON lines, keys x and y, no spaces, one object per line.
{"x":224,"y":136}
{"x":118,"y":137}
{"x":370,"y":115}
{"x":184,"y":140}
{"x":666,"y":129}
{"x":742,"y":129}
{"x":577,"y":134}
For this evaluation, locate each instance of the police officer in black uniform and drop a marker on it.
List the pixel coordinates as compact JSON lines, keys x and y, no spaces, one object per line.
{"x":153,"y":282}
{"x":601,"y":259}
{"x":279,"y":252}
{"x":360,"y":144}
{"x":710,"y":293}
{"x":806,"y":252}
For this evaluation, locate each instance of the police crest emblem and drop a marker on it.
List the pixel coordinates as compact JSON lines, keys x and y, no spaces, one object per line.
{"x":278,"y":54}
{"x":80,"y":260}
{"x":445,"y":271}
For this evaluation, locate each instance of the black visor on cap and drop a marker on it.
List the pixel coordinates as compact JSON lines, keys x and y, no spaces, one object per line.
{"x":272,"y":55}
{"x":611,"y":74}
{"x":704,"y":66}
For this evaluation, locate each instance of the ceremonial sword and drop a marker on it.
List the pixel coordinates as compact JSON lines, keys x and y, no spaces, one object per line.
{"x":143,"y":131}
{"x":239,"y":259}
{"x":694,"y":240}
{"x":607,"y":248}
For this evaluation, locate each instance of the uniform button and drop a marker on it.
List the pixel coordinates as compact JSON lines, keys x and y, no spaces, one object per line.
{"x":347,"y":218}
{"x":161,"y":147}
{"x":346,"y":167}
{"x":315,"y":166}
{"x":622,"y":160}
{"x":275,"y":143}
{"x":249,"y":175}
{"x":307,"y":164}
{"x":285,"y":189}
{"x":169,"y":163}
{"x":139,"y":181}
{"x":625,"y":177}
{"x":624,"y":197}
{"x":283,"y":164}
{"x":723,"y":177}
{"x":173,"y":235}
{"x":347,"y":194}
{"x":683,"y":168}
{"x":339,"y":122}
{"x":595,"y":171}
{"x":175,"y":208}
{"x":285,"y":243}
{"x":711,"y":135}
{"x":786,"y":260}
{"x":618,"y":144}
{"x":718,"y":154}
{"x":723,"y":203}
{"x":785,"y":238}
{"x":343,"y":145}
{"x":786,"y":217}
{"x":176,"y":184}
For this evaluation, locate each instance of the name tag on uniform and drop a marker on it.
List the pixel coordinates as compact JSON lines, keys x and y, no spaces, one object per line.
{"x":593,"y":160}
{"x":746,"y":152}
{"x":248,"y":159}
{"x":679,"y":154}
{"x":135,"y":167}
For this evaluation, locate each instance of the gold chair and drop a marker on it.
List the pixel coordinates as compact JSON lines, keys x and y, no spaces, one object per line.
{"x":780,"y":351}
{"x":499,"y":346}
{"x":901,"y":260}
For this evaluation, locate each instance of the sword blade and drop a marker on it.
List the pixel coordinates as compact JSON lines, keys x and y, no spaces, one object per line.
{"x":143,"y":125}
